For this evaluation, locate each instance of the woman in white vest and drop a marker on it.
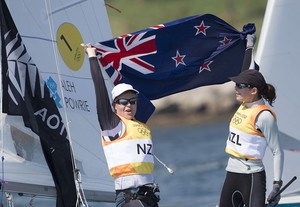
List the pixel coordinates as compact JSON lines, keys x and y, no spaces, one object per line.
{"x":126,"y":142}
{"x":253,"y":128}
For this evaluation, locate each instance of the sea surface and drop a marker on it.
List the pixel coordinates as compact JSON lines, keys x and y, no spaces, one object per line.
{"x":196,"y":155}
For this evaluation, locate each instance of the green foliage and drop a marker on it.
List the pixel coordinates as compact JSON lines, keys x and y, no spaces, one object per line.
{"x":140,"y":14}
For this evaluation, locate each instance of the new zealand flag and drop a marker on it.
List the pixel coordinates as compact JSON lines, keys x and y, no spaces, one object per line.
{"x":176,"y":56}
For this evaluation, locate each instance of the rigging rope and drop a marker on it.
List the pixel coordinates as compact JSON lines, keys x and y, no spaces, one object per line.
{"x":118,"y":10}
{"x":163,"y":164}
{"x":2,"y":141}
{"x":2,"y":177}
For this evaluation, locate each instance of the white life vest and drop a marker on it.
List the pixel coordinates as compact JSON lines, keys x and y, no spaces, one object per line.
{"x":244,"y":140}
{"x":131,"y":153}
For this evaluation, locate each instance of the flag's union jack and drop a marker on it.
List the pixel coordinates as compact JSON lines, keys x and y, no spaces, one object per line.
{"x":128,"y":51}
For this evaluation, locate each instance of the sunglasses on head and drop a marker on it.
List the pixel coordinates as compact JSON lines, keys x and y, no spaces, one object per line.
{"x":124,"y":101}
{"x":243,"y":85}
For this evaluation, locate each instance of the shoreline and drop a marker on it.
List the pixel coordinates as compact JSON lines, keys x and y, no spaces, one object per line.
{"x":178,"y":119}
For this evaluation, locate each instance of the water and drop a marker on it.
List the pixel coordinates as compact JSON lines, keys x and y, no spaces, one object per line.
{"x":195,"y":153}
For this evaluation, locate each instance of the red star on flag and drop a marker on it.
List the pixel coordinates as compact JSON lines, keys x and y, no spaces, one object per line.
{"x":205,"y":66}
{"x":225,"y":41}
{"x":201,"y":28}
{"x":178,"y":59}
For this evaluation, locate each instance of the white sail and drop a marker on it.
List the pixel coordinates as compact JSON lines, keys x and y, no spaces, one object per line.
{"x":52,"y":32}
{"x":278,"y":56}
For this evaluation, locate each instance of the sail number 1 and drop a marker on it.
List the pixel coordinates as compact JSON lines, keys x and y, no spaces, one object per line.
{"x":62,"y":37}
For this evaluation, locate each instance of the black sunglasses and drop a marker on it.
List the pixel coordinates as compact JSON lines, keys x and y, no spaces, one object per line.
{"x":243,"y":85}
{"x":124,"y":101}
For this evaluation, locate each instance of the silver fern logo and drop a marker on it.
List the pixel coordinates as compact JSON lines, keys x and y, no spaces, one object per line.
{"x":21,"y":66}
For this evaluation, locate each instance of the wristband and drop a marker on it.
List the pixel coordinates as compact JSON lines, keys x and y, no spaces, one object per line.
{"x":278,"y":182}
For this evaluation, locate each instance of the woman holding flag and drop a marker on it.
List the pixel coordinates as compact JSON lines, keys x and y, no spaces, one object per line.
{"x":126,"y":142}
{"x":252,"y":128}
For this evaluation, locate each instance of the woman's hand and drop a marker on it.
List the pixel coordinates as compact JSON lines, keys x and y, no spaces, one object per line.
{"x":90,"y":51}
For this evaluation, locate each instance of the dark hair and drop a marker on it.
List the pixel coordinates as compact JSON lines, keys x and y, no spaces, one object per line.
{"x":268,"y":93}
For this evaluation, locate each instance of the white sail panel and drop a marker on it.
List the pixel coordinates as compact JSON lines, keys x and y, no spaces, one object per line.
{"x":278,"y":57}
{"x":52,"y":32}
